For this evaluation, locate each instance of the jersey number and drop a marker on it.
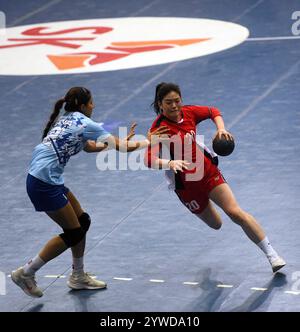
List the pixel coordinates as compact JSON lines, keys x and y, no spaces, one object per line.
{"x":192,"y":205}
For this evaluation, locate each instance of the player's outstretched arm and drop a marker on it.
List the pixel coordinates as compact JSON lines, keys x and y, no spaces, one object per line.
{"x":125,"y":145}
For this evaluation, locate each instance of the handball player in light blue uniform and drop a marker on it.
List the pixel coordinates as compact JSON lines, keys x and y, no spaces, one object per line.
{"x":63,"y":137}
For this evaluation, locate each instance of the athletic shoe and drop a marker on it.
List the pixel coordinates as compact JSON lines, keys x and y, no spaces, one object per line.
{"x":277,"y":264}
{"x":83,"y":280}
{"x":26,"y":282}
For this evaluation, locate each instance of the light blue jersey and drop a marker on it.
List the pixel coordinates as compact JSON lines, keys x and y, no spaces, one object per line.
{"x":66,"y":138}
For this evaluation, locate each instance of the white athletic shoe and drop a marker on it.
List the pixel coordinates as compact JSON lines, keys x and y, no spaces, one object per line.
{"x":277,"y":264}
{"x":26,"y":282}
{"x":83,"y":280}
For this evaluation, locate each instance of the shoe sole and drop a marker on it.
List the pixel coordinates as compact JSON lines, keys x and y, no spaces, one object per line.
{"x":85,"y":287}
{"x":278,"y":268}
{"x":22,"y":286}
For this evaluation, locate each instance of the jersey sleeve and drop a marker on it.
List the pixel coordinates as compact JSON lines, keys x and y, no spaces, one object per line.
{"x":152,"y":152}
{"x":151,"y":155}
{"x":201,"y":113}
{"x":95,"y":131}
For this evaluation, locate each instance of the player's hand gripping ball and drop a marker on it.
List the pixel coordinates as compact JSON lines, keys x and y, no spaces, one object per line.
{"x":223,"y":146}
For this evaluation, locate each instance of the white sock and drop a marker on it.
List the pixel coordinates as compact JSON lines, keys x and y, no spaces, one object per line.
{"x":77,"y":264}
{"x":266,"y":247}
{"x":33,"y":265}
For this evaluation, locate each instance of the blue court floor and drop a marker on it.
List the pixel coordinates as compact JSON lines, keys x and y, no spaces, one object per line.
{"x":153,"y":253}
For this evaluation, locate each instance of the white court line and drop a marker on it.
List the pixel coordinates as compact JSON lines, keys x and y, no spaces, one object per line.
{"x":273,"y":38}
{"x":248,"y":10}
{"x":25,"y":17}
{"x":54,"y":276}
{"x":20,"y":175}
{"x":190,"y":283}
{"x":21,"y":85}
{"x":259,"y":289}
{"x":124,"y":279}
{"x":264,"y":95}
{"x":138,"y":12}
{"x":137,"y":91}
{"x":124,"y":218}
{"x":292,"y":292}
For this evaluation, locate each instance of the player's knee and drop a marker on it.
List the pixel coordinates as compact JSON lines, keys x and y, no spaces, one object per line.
{"x":215,"y":223}
{"x":236,"y":214}
{"x":71,"y":237}
{"x":85,"y":221}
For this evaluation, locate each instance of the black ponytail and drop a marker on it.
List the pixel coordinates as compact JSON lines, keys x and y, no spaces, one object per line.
{"x":161,"y":90}
{"x":73,"y":100}
{"x":53,"y":116}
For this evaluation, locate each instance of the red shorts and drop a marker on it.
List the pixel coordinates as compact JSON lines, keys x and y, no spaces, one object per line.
{"x":195,"y":193}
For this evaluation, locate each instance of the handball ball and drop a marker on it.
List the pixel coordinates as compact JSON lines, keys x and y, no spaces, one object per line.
{"x":223,"y":147}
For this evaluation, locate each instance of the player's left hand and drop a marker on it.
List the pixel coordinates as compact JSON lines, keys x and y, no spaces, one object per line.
{"x":225,"y":133}
{"x":131,"y":131}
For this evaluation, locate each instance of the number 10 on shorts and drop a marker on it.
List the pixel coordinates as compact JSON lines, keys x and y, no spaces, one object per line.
{"x":192,"y":205}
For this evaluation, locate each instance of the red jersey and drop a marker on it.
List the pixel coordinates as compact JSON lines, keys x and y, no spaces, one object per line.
{"x":183,"y":145}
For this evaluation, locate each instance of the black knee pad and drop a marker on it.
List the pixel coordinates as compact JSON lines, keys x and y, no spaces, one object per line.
{"x":85,"y":221}
{"x":71,"y":237}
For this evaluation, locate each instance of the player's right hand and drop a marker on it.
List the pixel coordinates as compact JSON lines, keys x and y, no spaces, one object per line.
{"x":158,"y":135}
{"x":178,"y":165}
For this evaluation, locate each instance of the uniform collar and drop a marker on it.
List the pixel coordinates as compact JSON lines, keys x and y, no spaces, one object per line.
{"x":167,"y":119}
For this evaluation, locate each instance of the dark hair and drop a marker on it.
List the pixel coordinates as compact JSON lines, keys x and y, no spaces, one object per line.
{"x":162,"y":89}
{"x":74,"y":98}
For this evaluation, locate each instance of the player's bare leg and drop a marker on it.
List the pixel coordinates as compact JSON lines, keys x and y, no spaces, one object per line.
{"x":223,"y":196}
